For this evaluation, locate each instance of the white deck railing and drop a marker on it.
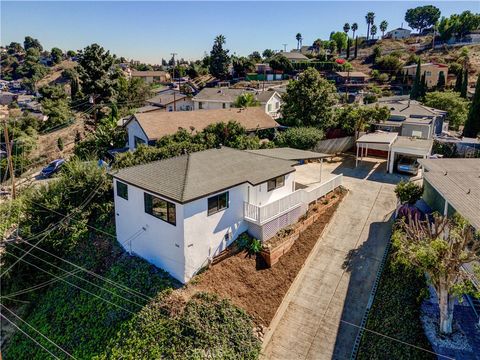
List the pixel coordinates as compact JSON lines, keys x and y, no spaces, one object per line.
{"x":262,"y":214}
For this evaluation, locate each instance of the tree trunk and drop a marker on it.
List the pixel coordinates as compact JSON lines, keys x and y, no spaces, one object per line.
{"x":446,"y":302}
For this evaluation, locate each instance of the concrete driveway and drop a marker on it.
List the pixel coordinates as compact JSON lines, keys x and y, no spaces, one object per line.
{"x":332,"y":290}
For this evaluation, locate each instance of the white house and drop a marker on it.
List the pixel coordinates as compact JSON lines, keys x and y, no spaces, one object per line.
{"x":180,"y":212}
{"x":398,"y":33}
{"x":223,"y":98}
{"x":147,"y":127}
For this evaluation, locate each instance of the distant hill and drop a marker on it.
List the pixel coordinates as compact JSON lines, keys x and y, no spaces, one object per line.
{"x":55,"y":75}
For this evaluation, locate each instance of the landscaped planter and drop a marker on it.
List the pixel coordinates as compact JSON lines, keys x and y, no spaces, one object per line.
{"x":272,"y":255}
{"x":273,"y":252}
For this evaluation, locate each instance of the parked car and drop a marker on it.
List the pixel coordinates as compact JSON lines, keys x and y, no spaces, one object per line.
{"x":52,"y":168}
{"x":408,"y":165}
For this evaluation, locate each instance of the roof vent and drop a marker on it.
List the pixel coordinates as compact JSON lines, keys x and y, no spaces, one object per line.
{"x":468,"y":191}
{"x":445,"y":173}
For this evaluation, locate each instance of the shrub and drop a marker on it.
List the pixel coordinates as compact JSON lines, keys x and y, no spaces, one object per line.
{"x":383,"y":77}
{"x":60,"y":144}
{"x":303,"y":138}
{"x":408,"y":192}
{"x":246,"y":242}
{"x":388,"y":63}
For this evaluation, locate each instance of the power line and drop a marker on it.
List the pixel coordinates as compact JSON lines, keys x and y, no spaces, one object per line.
{"x":31,"y":338}
{"x":87,"y":281}
{"x":394,"y":339}
{"x":38,"y":332}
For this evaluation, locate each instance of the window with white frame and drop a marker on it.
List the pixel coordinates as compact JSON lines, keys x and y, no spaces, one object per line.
{"x":122,"y":190}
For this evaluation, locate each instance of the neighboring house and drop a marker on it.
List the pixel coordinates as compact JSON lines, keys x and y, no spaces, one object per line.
{"x":431,"y":70}
{"x":350,"y":77}
{"x":6,"y":97}
{"x":179,"y":213}
{"x":412,"y":119}
{"x":398,"y":33}
{"x":150,"y":76}
{"x":453,"y":186}
{"x":148,"y":127}
{"x":223,"y":98}
{"x":294,"y":56}
{"x":171,"y":101}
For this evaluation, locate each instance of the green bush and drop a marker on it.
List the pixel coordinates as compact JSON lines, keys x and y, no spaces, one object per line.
{"x":408,"y":192}
{"x":396,"y":313}
{"x":206,"y":328}
{"x":304,"y":138}
{"x":246,"y":242}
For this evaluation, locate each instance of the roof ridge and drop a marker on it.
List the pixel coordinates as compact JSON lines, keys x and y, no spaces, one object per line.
{"x":184,"y":185}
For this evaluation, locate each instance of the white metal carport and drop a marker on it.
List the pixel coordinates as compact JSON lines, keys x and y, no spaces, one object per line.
{"x":405,"y":145}
{"x":376,"y":141}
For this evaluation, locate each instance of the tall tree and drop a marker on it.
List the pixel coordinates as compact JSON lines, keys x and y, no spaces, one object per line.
{"x":57,"y":55}
{"x":383,"y":27}
{"x":346,"y":28}
{"x":97,"y":74}
{"x":309,"y":101}
{"x":440,"y":249}
{"x":281,"y":63}
{"x":340,"y":39}
{"x":441,"y":81}
{"x":354,"y":28}
{"x":472,"y":125}
{"x":268,"y":53}
{"x":30,"y":42}
{"x":299,"y":40}
{"x":242,"y":65}
{"x":459,"y":81}
{"x":464,"y":89}
{"x":423,"y":85}
{"x":369,"y":18}
{"x":421,"y":17}
{"x":416,"y":88}
{"x":219,"y":59}
{"x":373,"y":31}
{"x":356,"y":48}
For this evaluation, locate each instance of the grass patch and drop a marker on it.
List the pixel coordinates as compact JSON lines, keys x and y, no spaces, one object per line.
{"x":396,"y":313}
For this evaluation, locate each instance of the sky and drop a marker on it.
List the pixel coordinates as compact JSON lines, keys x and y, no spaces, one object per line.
{"x":152,"y":30}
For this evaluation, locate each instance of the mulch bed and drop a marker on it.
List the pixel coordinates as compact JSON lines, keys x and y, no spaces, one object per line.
{"x":250,"y":284}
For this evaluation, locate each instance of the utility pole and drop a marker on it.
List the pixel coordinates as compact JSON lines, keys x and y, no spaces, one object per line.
{"x":173,"y":75}
{"x":9,"y":152}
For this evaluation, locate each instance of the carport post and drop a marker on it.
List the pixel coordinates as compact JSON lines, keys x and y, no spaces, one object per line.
{"x":321,"y":166}
{"x":356,"y":158}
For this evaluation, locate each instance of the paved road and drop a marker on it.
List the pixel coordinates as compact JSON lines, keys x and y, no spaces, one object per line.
{"x":336,"y":281}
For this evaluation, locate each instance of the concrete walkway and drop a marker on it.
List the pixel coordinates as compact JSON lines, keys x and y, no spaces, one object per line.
{"x":333,"y":288}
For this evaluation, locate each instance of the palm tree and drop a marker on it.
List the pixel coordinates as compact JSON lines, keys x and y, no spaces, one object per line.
{"x":373,"y":31}
{"x":299,"y":40}
{"x":383,"y":27}
{"x":346,"y":28}
{"x":354,"y":28}
{"x":369,"y":18}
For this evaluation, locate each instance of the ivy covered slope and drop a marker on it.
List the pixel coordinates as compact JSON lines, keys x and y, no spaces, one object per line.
{"x":93,"y":299}
{"x":396,"y":313}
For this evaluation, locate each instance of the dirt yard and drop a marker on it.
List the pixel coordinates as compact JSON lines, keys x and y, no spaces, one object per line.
{"x":250,"y":284}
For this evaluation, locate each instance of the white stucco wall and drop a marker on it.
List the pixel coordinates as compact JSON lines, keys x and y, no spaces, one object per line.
{"x":184,"y":249}
{"x":275,"y":103}
{"x":158,"y":242}
{"x":134,"y":129}
{"x":260,"y":196}
{"x":186,"y":104}
{"x":210,"y":105}
{"x":205,"y":235}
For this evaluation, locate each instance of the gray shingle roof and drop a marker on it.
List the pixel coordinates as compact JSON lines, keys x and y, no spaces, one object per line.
{"x":188,"y":177}
{"x":218,"y":94}
{"x":287,"y":153}
{"x":458,"y":181}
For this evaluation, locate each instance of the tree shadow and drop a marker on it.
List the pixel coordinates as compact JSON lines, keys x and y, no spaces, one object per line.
{"x":362,"y":265}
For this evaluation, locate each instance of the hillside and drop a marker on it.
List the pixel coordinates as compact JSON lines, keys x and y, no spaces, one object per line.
{"x":55,"y":75}
{"x":405,"y":48}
